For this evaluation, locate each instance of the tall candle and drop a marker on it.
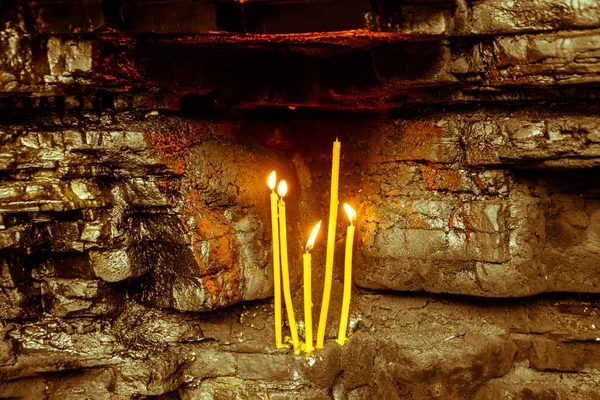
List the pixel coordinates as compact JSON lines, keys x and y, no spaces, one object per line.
{"x":306,"y":258}
{"x":347,"y":276}
{"x":287,"y":294}
{"x":276,"y":266}
{"x":333,"y":206}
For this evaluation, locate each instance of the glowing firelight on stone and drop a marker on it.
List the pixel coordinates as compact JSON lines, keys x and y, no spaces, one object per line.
{"x":271,"y":182}
{"x":287,"y":294}
{"x":306,"y":260}
{"x":347,"y":276}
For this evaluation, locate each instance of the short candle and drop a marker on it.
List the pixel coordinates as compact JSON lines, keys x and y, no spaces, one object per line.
{"x":347,"y":276}
{"x":306,"y":258}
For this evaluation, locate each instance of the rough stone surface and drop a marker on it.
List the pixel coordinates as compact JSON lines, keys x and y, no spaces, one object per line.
{"x":463,"y":202}
{"x":498,"y":16}
{"x":546,"y":59}
{"x":415,"y":52}
{"x":135,"y":243}
{"x":400,"y":343}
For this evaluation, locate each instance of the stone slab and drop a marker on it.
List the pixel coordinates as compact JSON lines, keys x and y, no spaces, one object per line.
{"x":497,"y":16}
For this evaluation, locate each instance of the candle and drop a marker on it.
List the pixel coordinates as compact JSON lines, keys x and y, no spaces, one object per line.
{"x":308,"y":348}
{"x":276,"y":266}
{"x":287,"y":294}
{"x":333,"y":206}
{"x":347,"y":276}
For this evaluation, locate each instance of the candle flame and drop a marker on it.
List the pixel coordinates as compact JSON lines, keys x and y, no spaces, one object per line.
{"x":272,"y":180}
{"x":350,"y":211}
{"x":282,"y":188}
{"x":312,"y":237}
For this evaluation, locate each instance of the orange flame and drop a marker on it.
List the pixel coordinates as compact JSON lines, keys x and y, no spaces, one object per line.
{"x":282,"y":188}
{"x":272,"y":180}
{"x":313,"y":237}
{"x":350,"y":211}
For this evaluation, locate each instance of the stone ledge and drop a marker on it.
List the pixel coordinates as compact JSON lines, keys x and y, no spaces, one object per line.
{"x":437,"y":71}
{"x":563,"y":58}
{"x":418,"y":16}
{"x":469,"y":348}
{"x":527,"y":16}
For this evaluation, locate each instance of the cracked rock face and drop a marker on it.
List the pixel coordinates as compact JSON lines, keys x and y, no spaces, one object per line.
{"x":193,"y":242}
{"x":113,"y":249}
{"x":135,"y":244}
{"x":450,"y":226}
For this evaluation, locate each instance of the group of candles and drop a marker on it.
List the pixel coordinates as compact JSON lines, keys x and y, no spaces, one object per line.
{"x":281,"y":267}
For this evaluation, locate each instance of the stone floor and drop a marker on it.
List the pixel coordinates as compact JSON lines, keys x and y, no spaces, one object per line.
{"x":401,"y":347}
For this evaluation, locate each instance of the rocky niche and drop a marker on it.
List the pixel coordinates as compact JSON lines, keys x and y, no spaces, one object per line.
{"x":136,"y":138}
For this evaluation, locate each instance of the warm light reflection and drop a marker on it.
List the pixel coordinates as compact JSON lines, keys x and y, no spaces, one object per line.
{"x":282,"y":188}
{"x":313,"y":236}
{"x":272,"y":180}
{"x":350,"y":211}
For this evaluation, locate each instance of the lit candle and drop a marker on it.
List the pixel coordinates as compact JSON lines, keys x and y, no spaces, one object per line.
{"x":276,"y":266}
{"x":287,"y":294}
{"x":307,"y":289}
{"x":333,"y":206}
{"x":347,"y":276}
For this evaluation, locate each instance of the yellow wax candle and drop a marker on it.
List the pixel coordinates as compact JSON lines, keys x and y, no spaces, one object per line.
{"x":333,"y":206}
{"x":287,"y":294}
{"x":347,"y":276}
{"x":308,"y":348}
{"x":276,"y":266}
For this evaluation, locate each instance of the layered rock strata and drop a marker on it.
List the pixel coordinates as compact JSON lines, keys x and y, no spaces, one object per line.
{"x":135,"y":143}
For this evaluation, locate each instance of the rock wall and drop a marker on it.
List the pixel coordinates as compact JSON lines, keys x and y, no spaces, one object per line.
{"x":135,"y":142}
